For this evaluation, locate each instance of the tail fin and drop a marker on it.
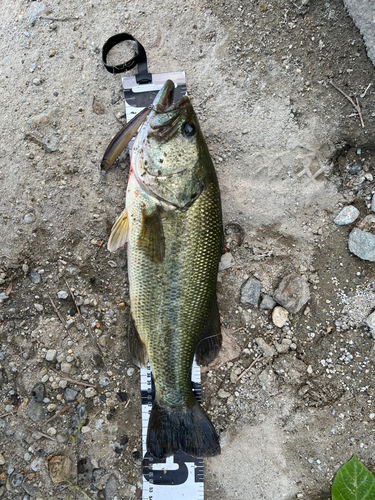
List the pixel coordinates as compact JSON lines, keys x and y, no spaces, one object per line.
{"x":181,"y":429}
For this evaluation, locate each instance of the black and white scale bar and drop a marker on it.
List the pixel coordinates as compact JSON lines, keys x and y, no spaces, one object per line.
{"x":178,"y":477}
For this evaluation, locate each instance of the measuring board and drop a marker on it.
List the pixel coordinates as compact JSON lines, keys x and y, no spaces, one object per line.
{"x":173,"y":478}
{"x":180,"y":476}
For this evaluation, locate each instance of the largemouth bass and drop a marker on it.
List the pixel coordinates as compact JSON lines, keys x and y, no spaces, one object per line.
{"x":172,"y":224}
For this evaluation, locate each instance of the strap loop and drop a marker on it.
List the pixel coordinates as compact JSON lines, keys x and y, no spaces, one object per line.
{"x":140,"y":58}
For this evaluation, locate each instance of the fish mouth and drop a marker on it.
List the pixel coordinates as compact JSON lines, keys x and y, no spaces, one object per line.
{"x":163,"y":102}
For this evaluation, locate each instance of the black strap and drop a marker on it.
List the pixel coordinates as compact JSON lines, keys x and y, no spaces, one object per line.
{"x":140,"y":58}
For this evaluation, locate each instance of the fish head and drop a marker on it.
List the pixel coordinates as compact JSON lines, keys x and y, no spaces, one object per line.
{"x":171,"y":160}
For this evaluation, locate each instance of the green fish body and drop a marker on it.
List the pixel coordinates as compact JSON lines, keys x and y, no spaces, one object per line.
{"x":173,"y":226}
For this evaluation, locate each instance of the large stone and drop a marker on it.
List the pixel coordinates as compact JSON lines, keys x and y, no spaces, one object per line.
{"x":362,"y":244}
{"x":347,"y":215}
{"x":292,"y":293}
{"x":250,"y":292}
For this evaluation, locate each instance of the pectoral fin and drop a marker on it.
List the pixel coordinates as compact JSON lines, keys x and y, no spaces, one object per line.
{"x":119,"y":233}
{"x":210,"y":345}
{"x":151,"y":237}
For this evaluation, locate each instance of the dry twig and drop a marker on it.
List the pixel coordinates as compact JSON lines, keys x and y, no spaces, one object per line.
{"x":35,"y":431}
{"x":58,"y":413}
{"x":78,"y":382}
{"x":356,"y":106}
{"x":55,"y":309}
{"x":73,"y":299}
{"x":258,"y":358}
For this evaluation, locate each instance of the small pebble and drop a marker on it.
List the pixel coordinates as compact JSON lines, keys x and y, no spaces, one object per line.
{"x":29,"y":218}
{"x":226,"y":262}
{"x":66,"y":367}
{"x":130,"y":371}
{"x":2,"y":459}
{"x":250,"y":292}
{"x":62,"y":295}
{"x":267,"y":350}
{"x":279,"y":316}
{"x":35,"y":277}
{"x":3,"y":296}
{"x":16,"y":479}
{"x":63,"y":384}
{"x":267,"y":303}
{"x":39,"y":307}
{"x":90,"y":392}
{"x":347,"y":216}
{"x":70,"y":395}
{"x":373,"y":203}
{"x":51,"y":355}
{"x":103,"y":382}
{"x":51,"y":431}
{"x":85,"y":429}
{"x":111,"y":487}
{"x":223,"y":394}
{"x":355,"y":168}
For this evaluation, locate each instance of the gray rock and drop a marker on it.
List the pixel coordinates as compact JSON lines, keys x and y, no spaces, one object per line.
{"x":51,"y":355}
{"x":267,"y":350}
{"x":29,"y":218}
{"x":111,"y":487}
{"x":35,"y":277}
{"x":347,"y":215}
{"x":292,"y":293}
{"x":223,"y":394}
{"x":51,"y":144}
{"x":290,"y":368}
{"x":373,"y":203}
{"x":250,"y":292}
{"x":62,"y":295}
{"x":3,"y":296}
{"x":362,"y":13}
{"x":226,"y":261}
{"x":45,"y":116}
{"x":283,"y":347}
{"x":362,"y":244}
{"x":35,"y":411}
{"x":35,"y":10}
{"x":37,"y":392}
{"x":16,"y":479}
{"x":370,"y":322}
{"x":104,"y":381}
{"x":355,"y":168}
{"x":39,"y":307}
{"x":268,"y":381}
{"x":70,"y":395}
{"x":267,"y":303}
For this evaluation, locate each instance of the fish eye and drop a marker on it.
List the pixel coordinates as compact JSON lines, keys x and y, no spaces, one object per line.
{"x":189,"y":129}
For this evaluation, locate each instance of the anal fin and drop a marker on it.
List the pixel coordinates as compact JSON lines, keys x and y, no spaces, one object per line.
{"x":136,"y":346}
{"x":119,"y":233}
{"x":211,"y":340}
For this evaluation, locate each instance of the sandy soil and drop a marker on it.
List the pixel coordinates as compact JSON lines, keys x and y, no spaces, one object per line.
{"x":283,"y":140}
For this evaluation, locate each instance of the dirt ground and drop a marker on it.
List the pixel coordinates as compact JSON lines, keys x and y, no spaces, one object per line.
{"x":284,"y":142}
